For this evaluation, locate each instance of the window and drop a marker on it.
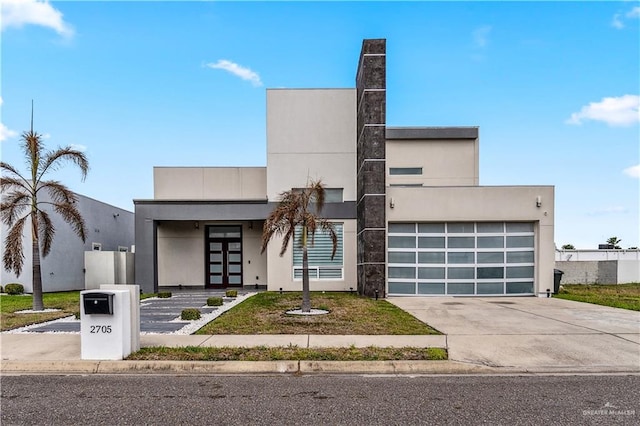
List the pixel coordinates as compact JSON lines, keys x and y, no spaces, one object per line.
{"x":331,"y":195}
{"x":123,"y":249}
{"x":321,"y":266}
{"x":405,"y":170}
{"x":96,"y":246}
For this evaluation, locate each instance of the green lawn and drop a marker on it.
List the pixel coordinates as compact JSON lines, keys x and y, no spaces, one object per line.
{"x":289,"y":353}
{"x":265,"y":313}
{"x":67,"y":301}
{"x":625,"y":296}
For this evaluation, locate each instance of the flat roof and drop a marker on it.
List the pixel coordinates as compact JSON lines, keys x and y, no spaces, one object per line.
{"x":432,"y":132}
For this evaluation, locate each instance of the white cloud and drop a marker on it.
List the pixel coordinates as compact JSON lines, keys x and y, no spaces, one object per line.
{"x":481,"y":36}
{"x":618,"y":18}
{"x":17,"y":13}
{"x":633,"y":171}
{"x":634,"y":13}
{"x":620,"y":111}
{"x":616,"y":22}
{"x":237,"y":70}
{"x":6,"y":133}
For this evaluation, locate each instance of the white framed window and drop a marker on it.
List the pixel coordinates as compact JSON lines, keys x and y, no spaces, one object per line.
{"x":321,"y":265}
{"x":331,"y":195}
{"x":96,"y":246}
{"x":123,"y":249}
{"x":405,"y":170}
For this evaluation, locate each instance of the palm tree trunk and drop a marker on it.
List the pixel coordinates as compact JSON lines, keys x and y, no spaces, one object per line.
{"x":306,"y":299}
{"x":38,"y":305}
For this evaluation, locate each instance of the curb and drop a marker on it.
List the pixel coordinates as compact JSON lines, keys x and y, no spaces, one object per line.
{"x":293,"y":367}
{"x":242,"y":367}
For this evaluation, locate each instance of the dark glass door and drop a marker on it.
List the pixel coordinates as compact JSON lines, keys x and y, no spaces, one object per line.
{"x":224,"y":256}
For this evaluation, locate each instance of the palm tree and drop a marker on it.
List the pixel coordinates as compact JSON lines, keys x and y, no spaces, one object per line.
{"x":20,"y":203}
{"x":615,"y":242}
{"x":299,"y":213}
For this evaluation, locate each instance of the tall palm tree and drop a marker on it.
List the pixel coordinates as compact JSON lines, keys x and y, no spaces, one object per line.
{"x":299,"y":212}
{"x":21,"y":205}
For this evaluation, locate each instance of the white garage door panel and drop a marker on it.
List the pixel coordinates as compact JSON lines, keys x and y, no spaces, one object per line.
{"x":461,"y":258}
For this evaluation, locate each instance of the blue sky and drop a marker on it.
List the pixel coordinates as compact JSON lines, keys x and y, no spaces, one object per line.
{"x":554,"y":87}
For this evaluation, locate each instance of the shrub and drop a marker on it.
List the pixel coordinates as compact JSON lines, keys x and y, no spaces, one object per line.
{"x":14,"y":288}
{"x":190,"y":314}
{"x":164,"y":294}
{"x":214,"y":301}
{"x":1,"y":289}
{"x":231,"y":293}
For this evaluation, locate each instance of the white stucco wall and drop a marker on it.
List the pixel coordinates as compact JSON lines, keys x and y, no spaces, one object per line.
{"x":628,"y":271}
{"x":108,"y":267}
{"x":209,"y":183}
{"x":311,"y":135}
{"x":581,"y":255}
{"x":444,"y":162}
{"x":484,"y":203}
{"x":181,"y":254}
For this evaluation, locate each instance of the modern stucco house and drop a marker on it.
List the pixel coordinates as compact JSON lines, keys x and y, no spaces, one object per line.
{"x":411,"y":215}
{"x":109,"y":228}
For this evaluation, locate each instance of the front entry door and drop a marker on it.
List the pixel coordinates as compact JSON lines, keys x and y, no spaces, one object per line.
{"x":224,"y":246}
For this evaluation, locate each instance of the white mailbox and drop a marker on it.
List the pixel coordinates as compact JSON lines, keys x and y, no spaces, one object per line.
{"x":105,"y":324}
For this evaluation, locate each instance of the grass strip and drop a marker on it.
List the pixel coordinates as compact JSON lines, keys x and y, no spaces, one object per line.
{"x":265,"y":313}
{"x":624,"y":296}
{"x":288,"y":353}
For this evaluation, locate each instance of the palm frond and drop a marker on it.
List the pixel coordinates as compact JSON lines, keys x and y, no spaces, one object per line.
{"x":13,"y":205}
{"x":46,"y":231}
{"x":58,"y":192}
{"x":13,"y":257}
{"x":32,"y":148}
{"x":72,"y":216}
{"x":52,"y":160}
{"x":13,"y":172}
{"x":7,"y":183}
{"x":285,"y":240}
{"x":317,"y":192}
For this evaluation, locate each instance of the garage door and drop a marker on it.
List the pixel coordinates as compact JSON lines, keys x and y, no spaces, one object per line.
{"x":461,"y":258}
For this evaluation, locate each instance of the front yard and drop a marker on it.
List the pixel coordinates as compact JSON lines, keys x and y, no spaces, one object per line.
{"x":264,"y":313}
{"x":625,"y":296}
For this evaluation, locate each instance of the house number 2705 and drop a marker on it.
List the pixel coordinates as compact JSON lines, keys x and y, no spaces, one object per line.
{"x":100,"y":329}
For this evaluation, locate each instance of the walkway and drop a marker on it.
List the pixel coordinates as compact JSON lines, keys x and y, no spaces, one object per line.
{"x":157,"y":316}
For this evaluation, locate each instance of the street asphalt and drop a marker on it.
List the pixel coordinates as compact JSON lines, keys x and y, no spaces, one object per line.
{"x":482,"y":335}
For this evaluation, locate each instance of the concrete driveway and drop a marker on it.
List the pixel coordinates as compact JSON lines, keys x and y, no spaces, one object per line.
{"x":536,"y":334}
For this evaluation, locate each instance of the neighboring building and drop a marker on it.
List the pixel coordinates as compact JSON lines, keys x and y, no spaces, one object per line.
{"x":109,"y":228}
{"x":410,"y":214}
{"x":602,"y":266}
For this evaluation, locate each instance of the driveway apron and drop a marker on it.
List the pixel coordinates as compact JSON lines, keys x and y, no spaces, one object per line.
{"x":539,"y":334}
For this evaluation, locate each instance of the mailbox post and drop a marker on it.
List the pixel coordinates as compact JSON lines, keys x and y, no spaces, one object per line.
{"x":105,"y":324}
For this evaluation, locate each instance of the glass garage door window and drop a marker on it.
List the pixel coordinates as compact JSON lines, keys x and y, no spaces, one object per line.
{"x":461,"y":258}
